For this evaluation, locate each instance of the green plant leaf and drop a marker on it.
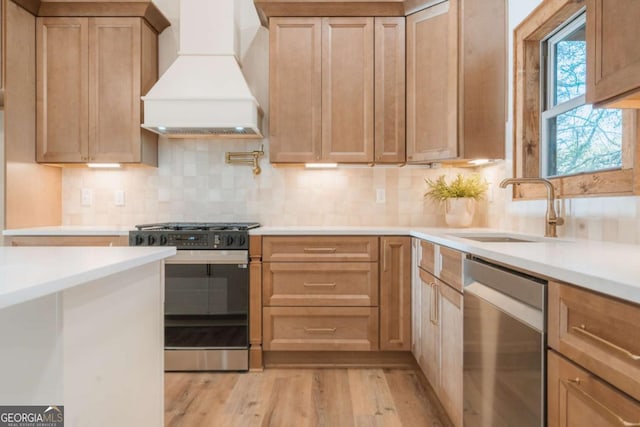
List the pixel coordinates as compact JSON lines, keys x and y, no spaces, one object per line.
{"x":472,"y":186}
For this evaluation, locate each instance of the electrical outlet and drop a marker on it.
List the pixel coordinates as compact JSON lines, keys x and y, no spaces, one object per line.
{"x":381,"y":196}
{"x":86,"y":197}
{"x":119,"y":197}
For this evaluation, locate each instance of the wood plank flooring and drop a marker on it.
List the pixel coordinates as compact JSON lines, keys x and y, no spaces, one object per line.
{"x":301,"y":397}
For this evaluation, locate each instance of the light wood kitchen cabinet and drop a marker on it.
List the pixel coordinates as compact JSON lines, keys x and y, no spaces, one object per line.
{"x":597,"y":332}
{"x":578,"y":398}
{"x":613,"y":57}
{"x":66,"y":240}
{"x":456,"y":81}
{"x":438,"y":349}
{"x":395,"y":293}
{"x":91,"y":74}
{"x":3,"y":19}
{"x":320,"y":284}
{"x":320,"y":293}
{"x":322,"y":89}
{"x":320,"y":328}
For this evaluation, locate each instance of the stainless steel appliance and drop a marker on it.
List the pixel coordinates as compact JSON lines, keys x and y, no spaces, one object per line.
{"x":504,"y":347}
{"x":206,"y":293}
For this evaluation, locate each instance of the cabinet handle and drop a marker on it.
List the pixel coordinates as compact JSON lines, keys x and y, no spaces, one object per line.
{"x":319,"y":285}
{"x":434,"y":315}
{"x":320,"y":330}
{"x":385,"y":256}
{"x":603,"y":409}
{"x":582,"y":329}
{"x":320,"y":250}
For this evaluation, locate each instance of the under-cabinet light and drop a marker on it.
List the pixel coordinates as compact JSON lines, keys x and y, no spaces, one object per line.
{"x":104,"y":165}
{"x":320,"y":165}
{"x":479,"y":162}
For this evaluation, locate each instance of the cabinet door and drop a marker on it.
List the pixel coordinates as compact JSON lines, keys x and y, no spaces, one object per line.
{"x":613,"y":57}
{"x":62,"y":90}
{"x":347,"y":89}
{"x":450,"y":316}
{"x":430,"y":330}
{"x":577,"y":398}
{"x":390,"y":90}
{"x":395,"y":293}
{"x":114,"y":89}
{"x":295,"y":89}
{"x":432,"y":83}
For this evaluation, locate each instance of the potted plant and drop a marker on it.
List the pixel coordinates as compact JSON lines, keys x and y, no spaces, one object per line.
{"x":459,"y":197}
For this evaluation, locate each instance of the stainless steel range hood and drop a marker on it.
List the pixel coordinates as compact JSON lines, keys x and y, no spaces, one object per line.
{"x":204,"y":93}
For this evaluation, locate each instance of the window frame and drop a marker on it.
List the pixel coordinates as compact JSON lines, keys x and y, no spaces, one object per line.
{"x":529,"y":99}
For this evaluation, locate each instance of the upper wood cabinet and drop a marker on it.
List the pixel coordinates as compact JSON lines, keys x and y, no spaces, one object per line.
{"x":91,"y":74}
{"x":456,"y":81}
{"x":322,"y":83}
{"x":613,"y":53}
{"x":3,"y":19}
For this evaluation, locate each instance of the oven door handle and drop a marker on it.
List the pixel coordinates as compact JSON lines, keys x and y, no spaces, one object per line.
{"x":511,"y":306}
{"x":208,"y":257}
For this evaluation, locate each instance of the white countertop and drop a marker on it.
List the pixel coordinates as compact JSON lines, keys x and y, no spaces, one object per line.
{"x":605,"y":267}
{"x":71,"y":230}
{"x":610,"y":268}
{"x":27,"y":273}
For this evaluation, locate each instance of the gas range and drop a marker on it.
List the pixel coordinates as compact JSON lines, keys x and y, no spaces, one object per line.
{"x":193,"y":235}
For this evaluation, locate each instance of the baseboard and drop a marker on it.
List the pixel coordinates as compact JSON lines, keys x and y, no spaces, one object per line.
{"x":339,"y":359}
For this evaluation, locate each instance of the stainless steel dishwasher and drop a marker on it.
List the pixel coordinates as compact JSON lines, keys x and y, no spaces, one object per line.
{"x":504,"y":347}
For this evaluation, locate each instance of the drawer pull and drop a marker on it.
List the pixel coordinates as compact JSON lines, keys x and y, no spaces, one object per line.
{"x":583,"y":330}
{"x":320,"y":250}
{"x":319,"y":285}
{"x":320,"y":330}
{"x":604,"y":410}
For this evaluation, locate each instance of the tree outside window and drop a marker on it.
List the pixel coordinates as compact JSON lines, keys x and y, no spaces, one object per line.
{"x":576,"y":138}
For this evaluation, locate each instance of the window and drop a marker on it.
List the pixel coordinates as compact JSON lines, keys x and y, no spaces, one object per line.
{"x":581,"y":150}
{"x":576,"y":138}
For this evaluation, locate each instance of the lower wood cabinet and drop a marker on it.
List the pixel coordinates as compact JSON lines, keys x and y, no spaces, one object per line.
{"x":320,"y":328}
{"x":598,"y":332}
{"x":576,"y":398}
{"x":320,"y":284}
{"x":437,"y":324}
{"x":66,"y":240}
{"x":336,"y":293}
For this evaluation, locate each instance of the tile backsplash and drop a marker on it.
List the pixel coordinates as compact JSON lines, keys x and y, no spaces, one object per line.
{"x":193,"y":183}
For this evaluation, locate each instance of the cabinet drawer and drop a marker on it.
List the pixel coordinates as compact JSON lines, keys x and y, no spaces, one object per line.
{"x":67,"y":240}
{"x":451,"y":267}
{"x":320,"y":328}
{"x":427,"y":256}
{"x":320,"y":284}
{"x":320,"y":248}
{"x":598,"y":332}
{"x":577,"y":398}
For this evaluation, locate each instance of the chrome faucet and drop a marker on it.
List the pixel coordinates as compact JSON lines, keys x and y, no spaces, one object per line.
{"x":551,"y":217}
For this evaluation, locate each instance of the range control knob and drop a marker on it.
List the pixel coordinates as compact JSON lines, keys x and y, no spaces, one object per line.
{"x":163,"y":240}
{"x":138,"y":240}
{"x":229,"y":240}
{"x":242,"y":241}
{"x":151,"y":240}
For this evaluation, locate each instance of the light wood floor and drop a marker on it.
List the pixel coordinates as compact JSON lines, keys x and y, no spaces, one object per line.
{"x":300,"y":397}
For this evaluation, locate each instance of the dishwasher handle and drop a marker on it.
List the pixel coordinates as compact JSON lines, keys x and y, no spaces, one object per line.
{"x":518,"y":310}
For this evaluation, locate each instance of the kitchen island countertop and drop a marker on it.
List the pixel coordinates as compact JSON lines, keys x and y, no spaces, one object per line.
{"x":27,"y":273}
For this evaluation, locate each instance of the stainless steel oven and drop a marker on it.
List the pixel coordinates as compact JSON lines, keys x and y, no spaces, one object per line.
{"x":504,"y":347}
{"x":206,"y":294}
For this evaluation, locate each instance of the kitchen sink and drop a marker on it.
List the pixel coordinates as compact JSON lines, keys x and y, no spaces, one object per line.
{"x":497,"y":237}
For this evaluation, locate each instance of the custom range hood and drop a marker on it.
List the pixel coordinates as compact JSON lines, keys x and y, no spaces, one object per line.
{"x":204,"y":93}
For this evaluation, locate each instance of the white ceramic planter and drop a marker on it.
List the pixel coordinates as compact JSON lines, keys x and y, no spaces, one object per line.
{"x":459,"y":211}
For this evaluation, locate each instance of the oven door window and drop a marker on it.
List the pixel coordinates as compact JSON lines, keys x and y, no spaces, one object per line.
{"x":206,"y":306}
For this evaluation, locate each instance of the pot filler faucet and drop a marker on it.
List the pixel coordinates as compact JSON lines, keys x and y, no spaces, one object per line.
{"x":551,"y":217}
